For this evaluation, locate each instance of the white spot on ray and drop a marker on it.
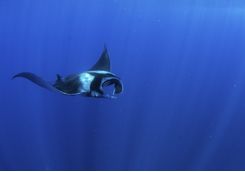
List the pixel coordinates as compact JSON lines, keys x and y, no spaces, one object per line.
{"x":85,"y":79}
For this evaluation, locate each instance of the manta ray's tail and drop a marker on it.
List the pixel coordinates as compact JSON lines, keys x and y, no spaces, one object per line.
{"x":35,"y":79}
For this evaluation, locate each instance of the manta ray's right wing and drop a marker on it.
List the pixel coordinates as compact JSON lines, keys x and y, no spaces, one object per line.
{"x":36,"y":79}
{"x":103,"y":62}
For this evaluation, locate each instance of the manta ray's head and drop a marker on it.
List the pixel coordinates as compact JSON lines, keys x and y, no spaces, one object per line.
{"x":104,"y":84}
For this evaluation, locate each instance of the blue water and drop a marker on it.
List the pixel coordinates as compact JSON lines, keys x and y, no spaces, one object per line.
{"x":183,"y":68}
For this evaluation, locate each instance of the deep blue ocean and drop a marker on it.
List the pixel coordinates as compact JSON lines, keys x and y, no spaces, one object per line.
{"x":182,"y":63}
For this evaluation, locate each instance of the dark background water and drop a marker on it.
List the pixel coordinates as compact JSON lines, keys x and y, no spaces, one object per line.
{"x":183,"y":68}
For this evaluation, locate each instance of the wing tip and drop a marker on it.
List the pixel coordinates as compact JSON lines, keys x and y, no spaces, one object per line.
{"x":103,"y":62}
{"x":15,"y":76}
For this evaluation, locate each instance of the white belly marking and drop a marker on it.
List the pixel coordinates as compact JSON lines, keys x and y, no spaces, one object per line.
{"x":85,"y":79}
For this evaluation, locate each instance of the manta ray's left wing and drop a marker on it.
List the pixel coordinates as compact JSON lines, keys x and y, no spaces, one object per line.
{"x":36,"y":79}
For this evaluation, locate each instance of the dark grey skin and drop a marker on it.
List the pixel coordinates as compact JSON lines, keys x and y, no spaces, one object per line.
{"x":90,"y":83}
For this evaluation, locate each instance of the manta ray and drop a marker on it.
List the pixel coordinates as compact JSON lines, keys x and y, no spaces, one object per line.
{"x":90,"y":83}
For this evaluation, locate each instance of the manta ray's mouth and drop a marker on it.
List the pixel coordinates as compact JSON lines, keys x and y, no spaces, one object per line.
{"x":112,"y":86}
{"x":109,"y":90}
